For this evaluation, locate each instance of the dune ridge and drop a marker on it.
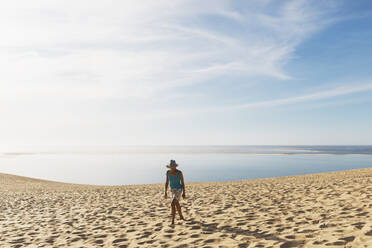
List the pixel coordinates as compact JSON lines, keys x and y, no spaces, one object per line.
{"x":318,"y":210}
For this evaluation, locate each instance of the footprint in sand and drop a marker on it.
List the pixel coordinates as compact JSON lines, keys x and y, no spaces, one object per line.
{"x":119,"y":241}
{"x":319,"y":242}
{"x":99,"y":241}
{"x":292,"y":243}
{"x":337,"y":243}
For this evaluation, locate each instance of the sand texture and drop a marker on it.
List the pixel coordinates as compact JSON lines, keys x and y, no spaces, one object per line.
{"x":319,"y":210}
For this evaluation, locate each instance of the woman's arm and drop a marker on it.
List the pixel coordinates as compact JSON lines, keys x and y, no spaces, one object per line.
{"x":166,"y":184}
{"x":183,"y":185}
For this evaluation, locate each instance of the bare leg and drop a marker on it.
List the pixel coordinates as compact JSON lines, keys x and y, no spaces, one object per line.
{"x":173,"y":211}
{"x":178,"y":206}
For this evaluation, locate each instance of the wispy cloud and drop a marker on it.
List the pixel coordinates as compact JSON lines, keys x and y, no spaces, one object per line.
{"x":136,"y":49}
{"x":343,"y":90}
{"x":326,"y":94}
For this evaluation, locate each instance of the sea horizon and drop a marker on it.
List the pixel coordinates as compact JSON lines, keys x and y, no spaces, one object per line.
{"x":207,"y":149}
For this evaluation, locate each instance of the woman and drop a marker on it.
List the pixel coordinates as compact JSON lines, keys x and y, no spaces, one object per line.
{"x":174,"y":177}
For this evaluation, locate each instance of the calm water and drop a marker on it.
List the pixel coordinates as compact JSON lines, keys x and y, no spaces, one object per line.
{"x":142,"y":165}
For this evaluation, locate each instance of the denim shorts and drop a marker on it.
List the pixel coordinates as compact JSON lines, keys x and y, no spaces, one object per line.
{"x":176,"y":193}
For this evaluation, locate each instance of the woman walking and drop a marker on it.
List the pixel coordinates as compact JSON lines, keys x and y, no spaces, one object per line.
{"x":174,"y":177}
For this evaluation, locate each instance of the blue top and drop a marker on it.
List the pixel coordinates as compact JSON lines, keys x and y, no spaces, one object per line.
{"x":174,"y":181}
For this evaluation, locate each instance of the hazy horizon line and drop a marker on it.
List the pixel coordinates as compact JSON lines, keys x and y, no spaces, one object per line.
{"x":202,"y":149}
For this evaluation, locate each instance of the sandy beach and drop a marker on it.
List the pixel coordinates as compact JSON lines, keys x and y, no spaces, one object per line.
{"x":318,"y":210}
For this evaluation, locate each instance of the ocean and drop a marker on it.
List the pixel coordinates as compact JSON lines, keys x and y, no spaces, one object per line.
{"x":126,"y":165}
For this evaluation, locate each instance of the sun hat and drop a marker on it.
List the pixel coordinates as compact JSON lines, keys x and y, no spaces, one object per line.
{"x":172,"y":164}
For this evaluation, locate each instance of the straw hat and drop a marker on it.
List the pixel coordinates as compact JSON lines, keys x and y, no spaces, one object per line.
{"x":172,"y":164}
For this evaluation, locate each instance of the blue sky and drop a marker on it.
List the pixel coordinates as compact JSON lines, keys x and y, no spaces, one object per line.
{"x":180,"y":72}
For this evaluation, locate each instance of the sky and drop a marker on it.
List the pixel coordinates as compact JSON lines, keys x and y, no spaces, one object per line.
{"x":185,"y":72}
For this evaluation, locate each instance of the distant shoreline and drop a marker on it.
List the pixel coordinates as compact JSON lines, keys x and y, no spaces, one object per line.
{"x":42,"y":180}
{"x":197,"y":149}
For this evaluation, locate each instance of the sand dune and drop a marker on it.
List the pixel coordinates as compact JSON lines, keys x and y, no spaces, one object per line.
{"x":318,"y":210}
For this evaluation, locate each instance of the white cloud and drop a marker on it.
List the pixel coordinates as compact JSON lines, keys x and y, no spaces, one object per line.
{"x":330,"y":93}
{"x":135,"y":49}
{"x":343,"y":90}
